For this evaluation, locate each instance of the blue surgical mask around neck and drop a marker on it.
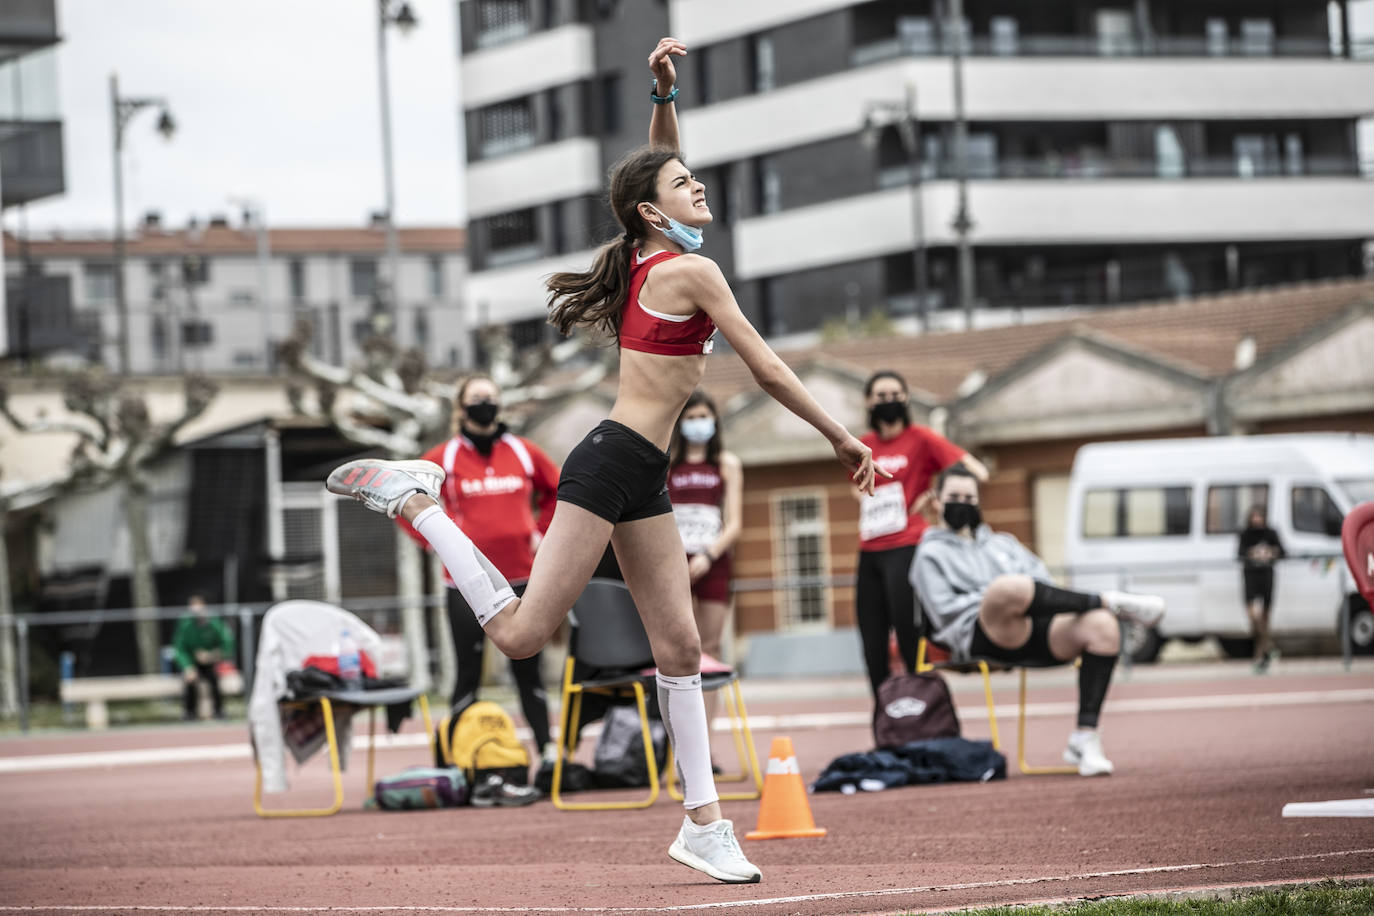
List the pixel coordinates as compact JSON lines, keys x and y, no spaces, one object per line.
{"x":698,"y":429}
{"x":689,"y":237}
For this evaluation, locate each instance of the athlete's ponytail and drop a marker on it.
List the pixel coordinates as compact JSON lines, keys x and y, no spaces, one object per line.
{"x":594,"y":299}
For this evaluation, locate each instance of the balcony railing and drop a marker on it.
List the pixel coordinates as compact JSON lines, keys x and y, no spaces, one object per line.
{"x":1106,"y":46}
{"x":30,"y":160}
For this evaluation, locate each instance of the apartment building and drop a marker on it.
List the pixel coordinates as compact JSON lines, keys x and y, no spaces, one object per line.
{"x":217,"y":297}
{"x":1116,"y":151}
{"x":34,"y":312}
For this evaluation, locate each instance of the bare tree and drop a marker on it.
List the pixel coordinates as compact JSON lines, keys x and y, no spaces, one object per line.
{"x":389,"y":402}
{"x":116,"y":440}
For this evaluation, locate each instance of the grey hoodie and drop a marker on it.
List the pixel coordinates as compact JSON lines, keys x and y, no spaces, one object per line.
{"x":951,"y":574}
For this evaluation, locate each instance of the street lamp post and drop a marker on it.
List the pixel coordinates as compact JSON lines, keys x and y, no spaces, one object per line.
{"x":121,"y":111}
{"x":404,"y":19}
{"x":904,"y":116}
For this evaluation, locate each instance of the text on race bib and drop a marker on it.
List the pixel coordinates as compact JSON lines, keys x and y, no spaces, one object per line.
{"x":883,"y":513}
{"x":699,"y":525}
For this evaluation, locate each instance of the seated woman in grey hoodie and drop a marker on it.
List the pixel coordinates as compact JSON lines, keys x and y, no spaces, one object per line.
{"x":987,"y":597}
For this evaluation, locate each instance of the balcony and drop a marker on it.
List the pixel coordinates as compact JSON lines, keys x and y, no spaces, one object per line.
{"x":554,"y":57}
{"x":570,"y":168}
{"x":27,"y":25}
{"x":30,"y":161}
{"x":40,"y":318}
{"x":1105,"y":46}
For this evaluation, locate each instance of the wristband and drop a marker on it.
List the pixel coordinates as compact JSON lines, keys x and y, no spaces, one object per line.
{"x":661,"y":99}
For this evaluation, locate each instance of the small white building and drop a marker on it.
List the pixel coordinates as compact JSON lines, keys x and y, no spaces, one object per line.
{"x":214,"y":298}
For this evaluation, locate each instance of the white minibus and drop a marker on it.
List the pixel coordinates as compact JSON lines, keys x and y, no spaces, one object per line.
{"x":1163,"y":516}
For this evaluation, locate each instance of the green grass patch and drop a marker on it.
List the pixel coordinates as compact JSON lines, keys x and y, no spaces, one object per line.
{"x":1329,"y":898}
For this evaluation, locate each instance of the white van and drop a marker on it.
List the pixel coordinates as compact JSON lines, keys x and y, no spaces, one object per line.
{"x":1164,"y":516}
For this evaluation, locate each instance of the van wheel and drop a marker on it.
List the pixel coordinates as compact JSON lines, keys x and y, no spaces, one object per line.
{"x":1142,"y":645}
{"x":1237,"y":647}
{"x":1361,"y":625}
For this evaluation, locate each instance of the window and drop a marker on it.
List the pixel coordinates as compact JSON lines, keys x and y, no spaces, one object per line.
{"x":765,"y":72}
{"x":1257,"y":37}
{"x":801,"y":558}
{"x":507,"y":127}
{"x":159,"y":337}
{"x":1216,"y":36}
{"x":296,"y":276}
{"x":916,"y":34}
{"x":1228,"y":505}
{"x":1115,"y":32}
{"x":362,"y":277}
{"x":1314,"y":512}
{"x":100,"y":282}
{"x":511,"y":230}
{"x":1140,"y":512}
{"x":768,"y":179}
{"x":500,"y":21}
{"x":197,"y":333}
{"x":241,"y":297}
{"x":247,"y":358}
{"x":1004,"y":36}
{"x":704,"y":90}
{"x":770,"y":317}
{"x":436,"y":277}
{"x":1292,"y":154}
{"x":157,"y":280}
{"x":1169,"y":157}
{"x":610,"y":104}
{"x":558,"y":237}
{"x":195,"y":270}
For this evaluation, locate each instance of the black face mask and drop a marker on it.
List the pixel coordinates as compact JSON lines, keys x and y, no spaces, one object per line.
{"x":483,"y":413}
{"x":484,"y":442}
{"x":963,"y":515}
{"x":888,"y":412}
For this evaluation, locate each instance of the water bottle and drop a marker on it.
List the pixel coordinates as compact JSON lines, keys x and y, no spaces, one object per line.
{"x":350,"y":665}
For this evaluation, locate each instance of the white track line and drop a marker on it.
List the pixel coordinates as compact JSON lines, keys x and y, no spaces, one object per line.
{"x":689,"y":907}
{"x":797,"y":722}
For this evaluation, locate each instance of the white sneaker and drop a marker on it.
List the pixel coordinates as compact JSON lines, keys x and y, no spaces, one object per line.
{"x":1146,"y":610}
{"x":714,"y":850}
{"x":384,"y":486}
{"x":1085,"y":750}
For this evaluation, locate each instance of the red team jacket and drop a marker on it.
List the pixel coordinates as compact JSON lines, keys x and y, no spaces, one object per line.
{"x":492,"y":498}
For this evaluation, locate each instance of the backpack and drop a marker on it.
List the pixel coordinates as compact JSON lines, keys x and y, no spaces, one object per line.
{"x":422,"y":787}
{"x":913,"y":707}
{"x":619,"y":757}
{"x":479,"y":739}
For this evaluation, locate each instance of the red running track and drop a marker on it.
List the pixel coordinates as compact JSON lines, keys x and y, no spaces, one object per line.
{"x":1195,"y":802}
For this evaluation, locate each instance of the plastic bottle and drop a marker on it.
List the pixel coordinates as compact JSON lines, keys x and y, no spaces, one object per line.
{"x":350,"y":664}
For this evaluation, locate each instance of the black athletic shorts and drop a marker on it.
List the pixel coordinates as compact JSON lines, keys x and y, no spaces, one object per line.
{"x":1259,"y":585}
{"x":1034,"y":651}
{"x":617,"y":474}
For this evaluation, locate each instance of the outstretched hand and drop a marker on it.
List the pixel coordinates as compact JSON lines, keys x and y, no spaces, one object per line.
{"x":661,"y":63}
{"x":858,"y":460}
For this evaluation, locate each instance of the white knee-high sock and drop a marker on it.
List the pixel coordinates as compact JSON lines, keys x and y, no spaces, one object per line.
{"x":484,"y":588}
{"x":684,"y":718}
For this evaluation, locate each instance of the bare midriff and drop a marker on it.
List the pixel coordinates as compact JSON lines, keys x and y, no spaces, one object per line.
{"x":653,"y":389}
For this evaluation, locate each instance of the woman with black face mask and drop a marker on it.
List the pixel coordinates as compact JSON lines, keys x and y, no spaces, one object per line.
{"x":494,"y":481}
{"x":891,"y":523}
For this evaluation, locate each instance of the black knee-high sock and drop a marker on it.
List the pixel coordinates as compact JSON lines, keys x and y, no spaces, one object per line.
{"x":1094,"y":676}
{"x":1049,"y":600}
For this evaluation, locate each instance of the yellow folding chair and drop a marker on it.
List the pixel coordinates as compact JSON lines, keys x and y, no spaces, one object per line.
{"x":984,"y":668}
{"x":716,"y":675}
{"x":608,"y":638}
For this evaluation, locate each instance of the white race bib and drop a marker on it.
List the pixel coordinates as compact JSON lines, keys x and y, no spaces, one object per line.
{"x":699,"y":525}
{"x":884,"y":512}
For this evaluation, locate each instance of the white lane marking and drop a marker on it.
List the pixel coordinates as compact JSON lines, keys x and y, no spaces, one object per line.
{"x":689,"y":907}
{"x":1341,"y":807}
{"x":759,"y":723}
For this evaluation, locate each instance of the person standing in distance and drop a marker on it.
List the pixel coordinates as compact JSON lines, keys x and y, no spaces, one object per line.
{"x":705,"y":484}
{"x":891,"y":523}
{"x":1258,"y":550}
{"x":201,"y":642}
{"x":662,"y":305}
{"x":494,"y":480}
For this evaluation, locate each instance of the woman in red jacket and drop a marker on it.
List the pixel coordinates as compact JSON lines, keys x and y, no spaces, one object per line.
{"x":494,"y":482}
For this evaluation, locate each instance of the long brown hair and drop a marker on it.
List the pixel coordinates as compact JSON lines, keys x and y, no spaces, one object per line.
{"x":677,"y":449}
{"x":594,"y":299}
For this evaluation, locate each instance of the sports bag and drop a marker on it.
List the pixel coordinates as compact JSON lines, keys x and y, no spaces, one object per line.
{"x":479,"y":738}
{"x":913,"y":707}
{"x":422,"y":787}
{"x":619,"y":757}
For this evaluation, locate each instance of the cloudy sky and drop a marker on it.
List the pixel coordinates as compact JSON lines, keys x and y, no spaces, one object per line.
{"x":274,"y":99}
{"x":277,"y":100}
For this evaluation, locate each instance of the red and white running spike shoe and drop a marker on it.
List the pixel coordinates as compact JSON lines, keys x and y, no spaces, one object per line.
{"x":384,"y":486}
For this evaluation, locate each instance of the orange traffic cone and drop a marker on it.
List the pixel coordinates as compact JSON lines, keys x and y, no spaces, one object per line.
{"x":784,"y":812}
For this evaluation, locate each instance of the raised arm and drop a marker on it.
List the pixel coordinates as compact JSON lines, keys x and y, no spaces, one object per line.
{"x":700,"y":281}
{"x":663,"y":123}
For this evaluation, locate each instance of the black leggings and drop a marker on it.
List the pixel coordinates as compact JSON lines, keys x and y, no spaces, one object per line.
{"x":469,"y":641}
{"x":885,"y":601}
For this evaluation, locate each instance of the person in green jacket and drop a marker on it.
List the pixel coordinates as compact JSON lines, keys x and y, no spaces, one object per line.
{"x":200,"y":642}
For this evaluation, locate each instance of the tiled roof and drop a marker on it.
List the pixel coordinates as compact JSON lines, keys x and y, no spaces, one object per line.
{"x":229,"y":240}
{"x":1200,"y":335}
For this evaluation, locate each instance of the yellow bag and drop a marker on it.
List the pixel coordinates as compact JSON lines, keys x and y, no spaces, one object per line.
{"x":480,"y":738}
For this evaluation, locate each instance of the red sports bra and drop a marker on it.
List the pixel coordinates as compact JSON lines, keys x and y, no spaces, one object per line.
{"x":647,"y":331}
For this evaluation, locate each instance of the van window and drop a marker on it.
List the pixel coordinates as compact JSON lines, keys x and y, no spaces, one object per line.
{"x":1229,"y":504}
{"x":1137,"y":512}
{"x":1313,"y":511}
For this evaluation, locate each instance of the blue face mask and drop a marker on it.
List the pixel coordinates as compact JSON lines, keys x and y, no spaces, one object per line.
{"x":686,"y":236}
{"x":698,"y":429}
